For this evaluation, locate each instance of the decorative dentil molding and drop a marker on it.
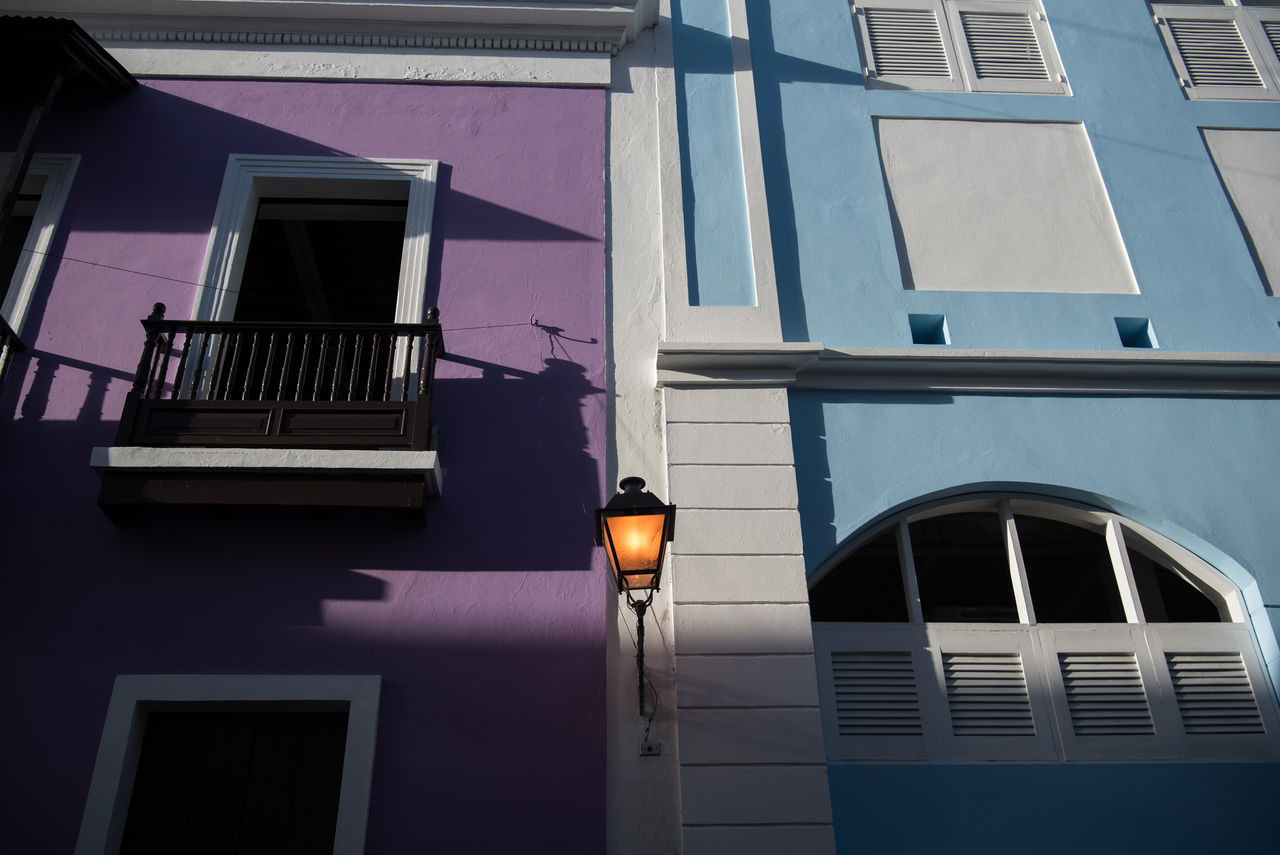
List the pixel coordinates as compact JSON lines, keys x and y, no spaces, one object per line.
{"x":578,"y":26}
{"x":355,"y":40}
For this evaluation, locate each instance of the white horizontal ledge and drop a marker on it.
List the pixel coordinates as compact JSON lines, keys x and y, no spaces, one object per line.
{"x":285,"y":461}
{"x":390,"y":64}
{"x":811,"y":365}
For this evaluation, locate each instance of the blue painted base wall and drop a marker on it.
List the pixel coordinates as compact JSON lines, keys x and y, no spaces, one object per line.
{"x":1065,"y":808}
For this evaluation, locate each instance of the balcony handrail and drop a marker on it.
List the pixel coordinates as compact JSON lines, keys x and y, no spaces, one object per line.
{"x":150,"y":323}
{"x":244,"y":360}
{"x":283,"y":384}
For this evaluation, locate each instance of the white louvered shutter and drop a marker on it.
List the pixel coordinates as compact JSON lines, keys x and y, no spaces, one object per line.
{"x":1213,"y":53}
{"x":1217,"y":53}
{"x":876,"y":693}
{"x":1214,"y":693}
{"x":1108,"y":695}
{"x":1105,"y":694}
{"x":1271,"y":29}
{"x":1217,"y":691}
{"x":992,"y":691}
{"x":869,"y":679}
{"x":1005,"y":47}
{"x":987,"y":694}
{"x":906,"y":44}
{"x":1262,"y":33}
{"x":979,"y":45}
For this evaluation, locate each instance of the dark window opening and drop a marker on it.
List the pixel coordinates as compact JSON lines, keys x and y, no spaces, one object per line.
{"x":963,"y":574}
{"x":866,"y":586}
{"x":320,"y":260}
{"x":962,"y":568}
{"x":1070,"y":573}
{"x":237,"y":782}
{"x":1166,"y":596}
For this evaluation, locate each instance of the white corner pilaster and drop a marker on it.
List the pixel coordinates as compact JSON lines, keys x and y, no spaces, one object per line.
{"x":642,"y":793}
{"x":752,"y":763}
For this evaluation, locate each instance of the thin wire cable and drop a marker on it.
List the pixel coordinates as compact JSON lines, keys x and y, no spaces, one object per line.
{"x":276,"y":300}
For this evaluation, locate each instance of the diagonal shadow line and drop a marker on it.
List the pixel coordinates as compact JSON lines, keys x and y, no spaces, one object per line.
{"x":487,"y":367}
{"x":473,"y":218}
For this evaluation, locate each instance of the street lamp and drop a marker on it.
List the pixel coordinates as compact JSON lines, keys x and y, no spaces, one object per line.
{"x":634,"y":528}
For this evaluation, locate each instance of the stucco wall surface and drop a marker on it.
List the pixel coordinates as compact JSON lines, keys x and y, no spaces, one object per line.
{"x":717,"y":235}
{"x":1104,"y":808}
{"x":487,"y":625}
{"x":1198,"y":471}
{"x":838,"y":271}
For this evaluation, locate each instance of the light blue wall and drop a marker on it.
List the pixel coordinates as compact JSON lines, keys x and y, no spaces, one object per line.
{"x":1062,"y":809}
{"x":1200,"y":471}
{"x":718,"y":243}
{"x":834,"y":251}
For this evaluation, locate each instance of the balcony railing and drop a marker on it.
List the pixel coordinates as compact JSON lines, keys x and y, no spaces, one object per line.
{"x":283,"y":385}
{"x":9,"y":345}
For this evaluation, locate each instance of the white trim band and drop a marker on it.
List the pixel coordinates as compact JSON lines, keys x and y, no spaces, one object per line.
{"x":811,"y":365}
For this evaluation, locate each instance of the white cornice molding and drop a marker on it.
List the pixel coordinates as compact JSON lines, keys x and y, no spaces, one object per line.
{"x":515,"y":25}
{"x":811,"y":365}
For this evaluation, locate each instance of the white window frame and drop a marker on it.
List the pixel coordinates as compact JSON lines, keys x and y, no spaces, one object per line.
{"x":1248,"y":21}
{"x":250,"y":177}
{"x":964,"y":77}
{"x":111,"y":787}
{"x":57,"y":170}
{"x":1037,"y":646}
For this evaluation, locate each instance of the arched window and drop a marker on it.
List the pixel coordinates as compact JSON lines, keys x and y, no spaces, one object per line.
{"x":1017,"y":629}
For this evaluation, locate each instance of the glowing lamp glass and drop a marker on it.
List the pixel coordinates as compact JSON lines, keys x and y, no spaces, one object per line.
{"x":634,"y":529}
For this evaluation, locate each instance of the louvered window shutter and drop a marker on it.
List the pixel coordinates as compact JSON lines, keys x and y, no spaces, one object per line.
{"x":876,"y":693}
{"x":1107,"y":689}
{"x":877,"y":702}
{"x":979,"y":45}
{"x":1214,"y":693}
{"x":1221,"y":53}
{"x":1219,"y":694}
{"x":1213,"y":53}
{"x":959,"y":691}
{"x":987,"y":694}
{"x":907,"y":45}
{"x":1271,"y":29}
{"x":1005,"y":47}
{"x":1002,"y":45}
{"x":1105,"y":694}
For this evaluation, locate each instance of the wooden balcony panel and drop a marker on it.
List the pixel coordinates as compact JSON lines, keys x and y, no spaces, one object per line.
{"x":278,"y":424}
{"x":282,"y":385}
{"x":277,"y":414}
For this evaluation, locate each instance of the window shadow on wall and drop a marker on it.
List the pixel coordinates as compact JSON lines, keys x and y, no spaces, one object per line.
{"x":521,"y":483}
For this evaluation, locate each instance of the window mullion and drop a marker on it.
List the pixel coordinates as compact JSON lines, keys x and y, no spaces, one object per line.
{"x":1124,"y":574}
{"x":915,"y":613}
{"x":1017,"y":569}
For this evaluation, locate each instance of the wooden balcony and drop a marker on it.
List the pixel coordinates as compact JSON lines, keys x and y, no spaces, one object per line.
{"x":304,"y":415}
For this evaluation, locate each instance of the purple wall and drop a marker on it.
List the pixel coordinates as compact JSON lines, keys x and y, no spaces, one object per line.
{"x":487,"y":625}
